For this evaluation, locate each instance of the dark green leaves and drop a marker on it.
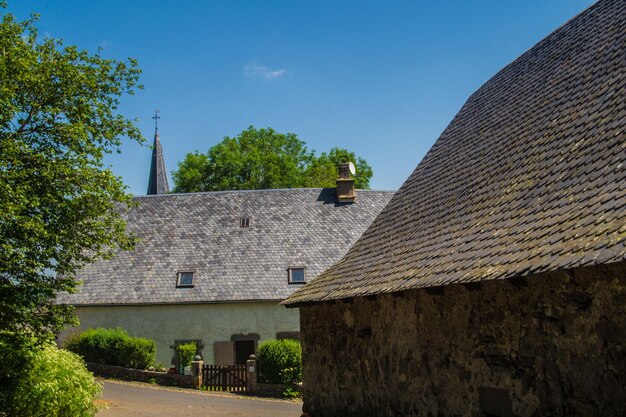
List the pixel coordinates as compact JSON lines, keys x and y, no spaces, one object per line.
{"x":59,"y":207}
{"x":264,"y":159}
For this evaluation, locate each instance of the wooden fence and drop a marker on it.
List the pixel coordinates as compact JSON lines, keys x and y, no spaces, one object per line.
{"x":225,"y":378}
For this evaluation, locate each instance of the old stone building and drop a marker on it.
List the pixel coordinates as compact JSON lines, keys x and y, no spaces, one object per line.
{"x":494,"y":282}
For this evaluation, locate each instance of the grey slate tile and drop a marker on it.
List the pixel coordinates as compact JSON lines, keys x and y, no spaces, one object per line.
{"x":201,"y":232}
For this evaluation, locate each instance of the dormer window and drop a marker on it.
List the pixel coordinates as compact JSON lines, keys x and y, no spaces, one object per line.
{"x":184,"y":279}
{"x":244,"y":222}
{"x":296,"y":275}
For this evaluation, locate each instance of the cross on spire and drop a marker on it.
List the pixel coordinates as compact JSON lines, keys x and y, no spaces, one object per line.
{"x":156,"y":118}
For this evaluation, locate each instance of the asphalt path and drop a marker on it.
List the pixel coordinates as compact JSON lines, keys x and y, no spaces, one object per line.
{"x":131,"y":399}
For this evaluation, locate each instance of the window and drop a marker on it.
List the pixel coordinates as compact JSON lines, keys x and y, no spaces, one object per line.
{"x":244,"y":222}
{"x":184,"y":279}
{"x":296,"y":275}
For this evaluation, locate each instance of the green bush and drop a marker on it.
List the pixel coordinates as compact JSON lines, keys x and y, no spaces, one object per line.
{"x":113,"y":347}
{"x":56,"y":384}
{"x":14,"y":359}
{"x":279,"y":362}
{"x":186,"y":352}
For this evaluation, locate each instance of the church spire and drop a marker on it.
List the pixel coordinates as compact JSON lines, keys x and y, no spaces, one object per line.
{"x":157,"y":184}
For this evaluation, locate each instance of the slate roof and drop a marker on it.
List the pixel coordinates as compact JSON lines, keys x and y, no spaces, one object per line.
{"x":528,"y":177}
{"x":201,"y":232}
{"x":157,"y":182}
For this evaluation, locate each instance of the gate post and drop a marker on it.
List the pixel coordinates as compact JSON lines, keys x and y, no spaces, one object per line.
{"x":251,"y":371}
{"x":196,"y":372}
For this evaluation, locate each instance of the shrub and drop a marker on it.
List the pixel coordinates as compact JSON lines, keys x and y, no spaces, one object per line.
{"x":279,"y":362}
{"x":57,"y":384}
{"x":14,"y":359}
{"x":186,"y":352}
{"x":292,"y":377}
{"x":113,"y":347}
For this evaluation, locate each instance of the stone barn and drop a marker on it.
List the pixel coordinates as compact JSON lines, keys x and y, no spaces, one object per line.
{"x":494,"y":282}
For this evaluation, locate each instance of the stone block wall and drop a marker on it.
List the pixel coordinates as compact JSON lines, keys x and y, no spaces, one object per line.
{"x":127,"y":374}
{"x":552,"y":344}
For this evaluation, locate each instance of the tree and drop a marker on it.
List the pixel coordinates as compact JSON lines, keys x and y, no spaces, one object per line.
{"x":59,"y":206}
{"x":323,"y":170}
{"x":190,"y":176}
{"x":263,"y":159}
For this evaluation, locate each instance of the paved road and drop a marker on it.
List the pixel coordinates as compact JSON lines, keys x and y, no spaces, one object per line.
{"x":129,"y":399}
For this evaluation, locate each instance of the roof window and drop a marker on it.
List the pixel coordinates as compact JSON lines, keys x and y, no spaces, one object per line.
{"x":184,"y":279}
{"x":296,"y":275}
{"x":244,"y":222}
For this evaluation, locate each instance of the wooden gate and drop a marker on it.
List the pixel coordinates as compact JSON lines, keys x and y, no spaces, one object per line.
{"x":225,"y":378}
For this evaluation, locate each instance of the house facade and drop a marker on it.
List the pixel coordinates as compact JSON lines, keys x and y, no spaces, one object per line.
{"x":494,"y":281}
{"x":213,"y":267}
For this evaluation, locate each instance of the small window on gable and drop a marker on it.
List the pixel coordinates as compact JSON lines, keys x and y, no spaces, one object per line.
{"x":184,"y":279}
{"x":244,"y":222}
{"x":296,"y":275}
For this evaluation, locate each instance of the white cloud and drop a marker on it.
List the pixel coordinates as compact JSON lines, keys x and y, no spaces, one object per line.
{"x":256,"y":70}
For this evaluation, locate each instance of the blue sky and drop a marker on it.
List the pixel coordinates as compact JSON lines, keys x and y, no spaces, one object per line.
{"x":382,"y":79}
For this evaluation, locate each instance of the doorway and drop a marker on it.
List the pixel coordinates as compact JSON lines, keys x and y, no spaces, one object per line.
{"x":243,"y":350}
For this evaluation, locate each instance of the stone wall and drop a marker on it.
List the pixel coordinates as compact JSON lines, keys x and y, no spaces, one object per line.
{"x":553,"y":344}
{"x":141,"y":375}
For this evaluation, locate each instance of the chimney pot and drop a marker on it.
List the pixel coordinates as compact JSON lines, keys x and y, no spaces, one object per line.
{"x":344,"y":171}
{"x":345,"y":184}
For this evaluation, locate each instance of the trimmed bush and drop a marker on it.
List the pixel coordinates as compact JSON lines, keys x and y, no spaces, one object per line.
{"x":113,"y":347}
{"x":186,"y":352}
{"x":279,"y":361}
{"x":57,"y":384}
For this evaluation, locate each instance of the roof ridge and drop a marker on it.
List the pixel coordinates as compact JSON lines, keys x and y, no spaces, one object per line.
{"x":254,"y":191}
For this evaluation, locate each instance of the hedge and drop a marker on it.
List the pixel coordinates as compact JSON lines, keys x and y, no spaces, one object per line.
{"x":279,"y":361}
{"x":113,"y":347}
{"x":55,"y":383}
{"x":186,"y":353}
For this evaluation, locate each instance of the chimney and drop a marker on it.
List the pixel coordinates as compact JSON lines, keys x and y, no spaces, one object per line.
{"x":345,"y":184}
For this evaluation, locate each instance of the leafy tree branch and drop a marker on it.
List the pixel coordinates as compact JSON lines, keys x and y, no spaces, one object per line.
{"x":262,"y":159}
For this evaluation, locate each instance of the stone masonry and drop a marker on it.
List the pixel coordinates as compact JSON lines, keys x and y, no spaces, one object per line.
{"x":551,"y":344}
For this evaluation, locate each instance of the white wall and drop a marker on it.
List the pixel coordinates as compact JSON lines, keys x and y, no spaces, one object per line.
{"x":208,"y":322}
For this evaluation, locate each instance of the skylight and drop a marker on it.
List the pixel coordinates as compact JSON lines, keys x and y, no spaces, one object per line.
{"x":296,"y":275}
{"x":184,"y":279}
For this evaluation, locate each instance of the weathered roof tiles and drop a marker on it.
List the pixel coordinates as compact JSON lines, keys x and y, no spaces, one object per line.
{"x":528,"y":177}
{"x":201,"y":232}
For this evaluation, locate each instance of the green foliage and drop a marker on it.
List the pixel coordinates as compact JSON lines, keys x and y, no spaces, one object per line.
{"x":55,"y":383}
{"x":292,"y":377}
{"x":59,"y":206}
{"x":190,"y":176}
{"x":279,"y":362}
{"x":186,"y":352}
{"x":113,"y":347}
{"x":323,"y":170}
{"x":264,"y":159}
{"x":14,"y":360}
